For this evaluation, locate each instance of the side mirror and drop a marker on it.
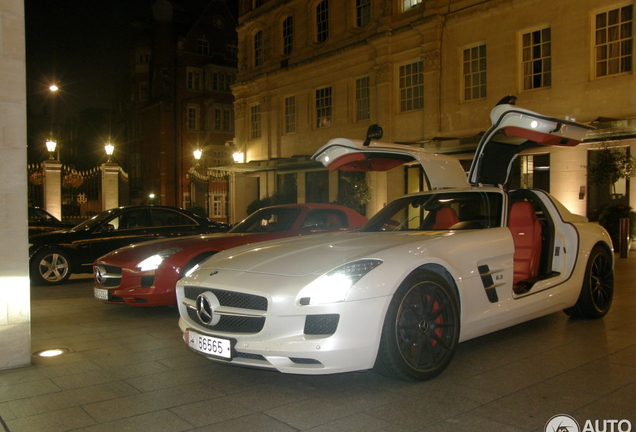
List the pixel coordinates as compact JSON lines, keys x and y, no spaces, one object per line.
{"x":373,"y":133}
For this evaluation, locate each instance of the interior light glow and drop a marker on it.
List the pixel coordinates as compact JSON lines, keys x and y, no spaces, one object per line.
{"x":534,"y":124}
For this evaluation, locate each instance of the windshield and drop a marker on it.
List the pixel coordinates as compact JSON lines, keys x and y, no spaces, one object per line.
{"x":439,"y":211}
{"x":268,"y":220}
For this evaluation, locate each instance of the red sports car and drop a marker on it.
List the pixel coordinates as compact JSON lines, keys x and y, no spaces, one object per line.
{"x":145,"y":274}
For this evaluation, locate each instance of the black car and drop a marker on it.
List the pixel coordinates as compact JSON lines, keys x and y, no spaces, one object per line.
{"x":54,"y":256}
{"x":42,"y":221}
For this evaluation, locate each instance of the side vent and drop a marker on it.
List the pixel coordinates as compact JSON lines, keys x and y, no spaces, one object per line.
{"x":489,"y":283}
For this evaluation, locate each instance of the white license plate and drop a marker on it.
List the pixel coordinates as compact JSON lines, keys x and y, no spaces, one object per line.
{"x":100,"y":293}
{"x":208,"y":344}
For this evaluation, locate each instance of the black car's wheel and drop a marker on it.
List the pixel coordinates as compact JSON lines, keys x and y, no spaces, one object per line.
{"x":597,"y":291}
{"x":50,"y":267}
{"x":421,"y":328}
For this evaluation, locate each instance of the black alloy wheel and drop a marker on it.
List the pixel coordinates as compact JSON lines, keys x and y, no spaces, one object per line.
{"x":421,"y":328}
{"x":597,"y":291}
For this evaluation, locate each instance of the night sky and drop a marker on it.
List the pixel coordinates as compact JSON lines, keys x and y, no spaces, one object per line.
{"x":83,"y":45}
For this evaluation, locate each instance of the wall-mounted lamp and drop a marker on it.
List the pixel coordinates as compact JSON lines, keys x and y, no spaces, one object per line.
{"x":239,"y":157}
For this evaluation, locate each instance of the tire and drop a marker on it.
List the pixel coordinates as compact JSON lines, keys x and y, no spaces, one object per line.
{"x":50,"y":267}
{"x":421,"y":328}
{"x":597,"y":291}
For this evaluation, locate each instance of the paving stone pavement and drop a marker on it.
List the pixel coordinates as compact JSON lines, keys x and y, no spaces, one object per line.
{"x":129,"y":370}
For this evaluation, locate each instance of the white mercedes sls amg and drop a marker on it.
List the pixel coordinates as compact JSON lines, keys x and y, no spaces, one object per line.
{"x":430,"y":270}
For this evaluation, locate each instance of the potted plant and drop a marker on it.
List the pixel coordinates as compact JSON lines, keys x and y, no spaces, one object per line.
{"x":610,"y":219}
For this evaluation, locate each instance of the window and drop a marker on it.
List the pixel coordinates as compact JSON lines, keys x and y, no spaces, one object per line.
{"x":218,"y":205}
{"x":537,"y":59}
{"x":363,"y":12}
{"x":203,"y":46}
{"x":217,"y":119}
{"x":288,"y":35}
{"x":412,"y":86}
{"x":221,"y":81}
{"x":258,"y":48}
{"x":227,"y":120}
{"x":143,"y":91}
{"x":290,"y":114}
{"x":194,"y":79}
{"x":613,"y":44}
{"x":255,"y":121}
{"x":323,"y":107}
{"x":322,"y":21}
{"x":232,"y":52}
{"x":409,"y":4}
{"x":474,"y":73}
{"x":363,"y":99}
{"x":143,"y":56}
{"x":193,"y":118}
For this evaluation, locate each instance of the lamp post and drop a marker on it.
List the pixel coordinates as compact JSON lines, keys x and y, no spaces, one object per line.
{"x":197,"y":155}
{"x":109,"y":148}
{"x":50,"y":146}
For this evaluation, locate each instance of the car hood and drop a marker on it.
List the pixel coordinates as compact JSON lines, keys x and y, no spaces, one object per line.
{"x":132,"y":254}
{"x":314,"y":254}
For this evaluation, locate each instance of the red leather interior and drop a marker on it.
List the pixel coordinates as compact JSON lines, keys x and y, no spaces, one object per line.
{"x":526,"y":233}
{"x":445,"y":218}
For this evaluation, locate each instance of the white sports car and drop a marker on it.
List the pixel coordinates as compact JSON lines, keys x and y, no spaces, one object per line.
{"x":430,"y":270}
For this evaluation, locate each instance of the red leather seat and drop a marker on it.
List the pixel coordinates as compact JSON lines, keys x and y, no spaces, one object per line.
{"x":445,"y":218}
{"x":526,"y":234}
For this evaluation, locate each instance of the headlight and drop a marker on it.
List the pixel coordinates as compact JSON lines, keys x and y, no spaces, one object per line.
{"x":333,"y":287}
{"x":152,"y":262}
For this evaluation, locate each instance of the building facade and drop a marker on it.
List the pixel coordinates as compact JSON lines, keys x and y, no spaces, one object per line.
{"x":182,"y":66}
{"x":429,"y":71}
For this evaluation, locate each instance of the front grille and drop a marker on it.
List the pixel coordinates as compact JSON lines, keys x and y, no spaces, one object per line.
{"x":230,"y":323}
{"x":109,"y":276}
{"x":321,"y":324}
{"x":230,"y":298}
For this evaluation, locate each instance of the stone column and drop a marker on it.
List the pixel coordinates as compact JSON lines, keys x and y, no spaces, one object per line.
{"x":110,"y":185}
{"x":15,"y":306}
{"x":53,"y":187}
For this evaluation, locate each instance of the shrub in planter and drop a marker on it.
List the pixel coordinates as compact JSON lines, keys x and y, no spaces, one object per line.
{"x":610,"y":219}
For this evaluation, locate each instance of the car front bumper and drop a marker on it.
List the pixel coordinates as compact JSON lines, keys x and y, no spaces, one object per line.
{"x":284,"y":344}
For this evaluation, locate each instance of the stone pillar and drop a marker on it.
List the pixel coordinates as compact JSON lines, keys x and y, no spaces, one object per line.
{"x":53,"y":187}
{"x":15,"y":307}
{"x":110,"y":185}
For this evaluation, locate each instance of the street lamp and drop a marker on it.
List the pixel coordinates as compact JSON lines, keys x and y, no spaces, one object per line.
{"x":50,"y":146}
{"x":53,"y":88}
{"x":109,"y":148}
{"x":197,"y":155}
